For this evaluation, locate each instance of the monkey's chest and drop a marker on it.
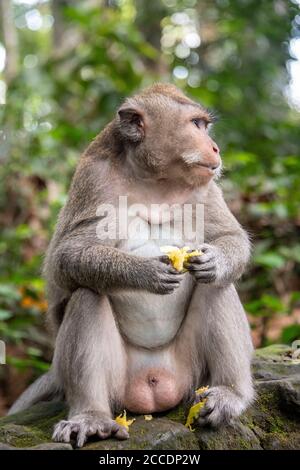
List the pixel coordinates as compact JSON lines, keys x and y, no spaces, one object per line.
{"x":147,"y":319}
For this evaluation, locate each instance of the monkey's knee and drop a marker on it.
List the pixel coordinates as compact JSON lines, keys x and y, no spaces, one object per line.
{"x":85,"y":312}
{"x":224,"y":319}
{"x":82,"y":303}
{"x":89,"y":355}
{"x":87,"y":324}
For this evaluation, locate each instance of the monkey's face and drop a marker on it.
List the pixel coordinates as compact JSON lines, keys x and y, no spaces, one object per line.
{"x":167,"y":136}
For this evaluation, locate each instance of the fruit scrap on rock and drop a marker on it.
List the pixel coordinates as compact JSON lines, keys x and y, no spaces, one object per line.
{"x":195,"y":409}
{"x":178,"y":256}
{"x":123,"y":421}
{"x":148,"y":417}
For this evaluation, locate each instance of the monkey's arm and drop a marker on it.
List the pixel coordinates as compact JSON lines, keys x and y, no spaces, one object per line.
{"x":79,"y":259}
{"x":227,"y":247}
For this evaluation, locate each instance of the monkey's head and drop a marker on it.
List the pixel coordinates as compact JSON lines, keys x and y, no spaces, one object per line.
{"x":165,"y":134}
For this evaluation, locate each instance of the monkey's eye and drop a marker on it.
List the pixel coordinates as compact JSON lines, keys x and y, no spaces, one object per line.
{"x":137,"y":120}
{"x":200,"y":123}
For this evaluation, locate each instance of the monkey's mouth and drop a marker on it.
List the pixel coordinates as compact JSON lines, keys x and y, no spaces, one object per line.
{"x":207,"y":166}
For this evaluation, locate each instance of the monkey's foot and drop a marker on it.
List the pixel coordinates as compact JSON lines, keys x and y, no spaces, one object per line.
{"x":88,"y":424}
{"x":221,"y":406}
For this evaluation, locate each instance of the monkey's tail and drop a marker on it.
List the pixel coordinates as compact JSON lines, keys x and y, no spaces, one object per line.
{"x":43,"y":389}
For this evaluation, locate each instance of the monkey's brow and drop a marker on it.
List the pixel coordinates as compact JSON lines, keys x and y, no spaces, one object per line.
{"x":194,"y":105}
{"x":210,"y":116}
{"x":203,"y":112}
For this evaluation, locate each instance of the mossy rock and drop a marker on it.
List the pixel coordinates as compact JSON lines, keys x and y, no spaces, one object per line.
{"x":271,"y":423}
{"x":275,"y":362}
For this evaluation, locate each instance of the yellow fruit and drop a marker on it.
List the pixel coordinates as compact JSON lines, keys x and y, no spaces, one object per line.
{"x":201,"y":390}
{"x":148,"y":417}
{"x":178,"y":256}
{"x":194,"y":411}
{"x":123,"y":421}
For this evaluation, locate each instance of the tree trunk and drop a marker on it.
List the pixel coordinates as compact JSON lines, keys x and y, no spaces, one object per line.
{"x":10,"y":40}
{"x":58,"y":25}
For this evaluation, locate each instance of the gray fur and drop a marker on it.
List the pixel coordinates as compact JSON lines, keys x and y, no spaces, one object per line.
{"x":44,"y":388}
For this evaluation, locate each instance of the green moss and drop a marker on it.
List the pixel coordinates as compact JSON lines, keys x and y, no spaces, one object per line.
{"x":21,"y":436}
{"x":243,"y":444}
{"x":248,"y":421}
{"x":275,"y":351}
{"x":277,"y":424}
{"x":284,"y":441}
{"x":177,"y":414}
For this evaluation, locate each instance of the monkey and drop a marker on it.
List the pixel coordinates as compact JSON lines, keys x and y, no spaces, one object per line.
{"x":130,"y":330}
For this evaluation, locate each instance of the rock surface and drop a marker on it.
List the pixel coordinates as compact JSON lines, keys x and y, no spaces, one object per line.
{"x":273,"y":422}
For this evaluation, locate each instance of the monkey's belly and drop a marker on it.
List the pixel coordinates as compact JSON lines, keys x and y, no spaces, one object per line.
{"x":150,"y":320}
{"x":152,"y":390}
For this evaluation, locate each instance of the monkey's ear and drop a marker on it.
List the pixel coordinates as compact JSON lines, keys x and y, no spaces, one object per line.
{"x":131,"y":123}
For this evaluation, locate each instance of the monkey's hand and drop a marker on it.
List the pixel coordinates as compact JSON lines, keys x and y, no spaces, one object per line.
{"x":159,"y":276}
{"x":205,"y":267}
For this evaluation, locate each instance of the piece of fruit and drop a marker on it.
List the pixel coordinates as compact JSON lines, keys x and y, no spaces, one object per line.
{"x":178,"y":256}
{"x":201,"y":390}
{"x":123,"y":421}
{"x":148,"y":417}
{"x":195,"y":409}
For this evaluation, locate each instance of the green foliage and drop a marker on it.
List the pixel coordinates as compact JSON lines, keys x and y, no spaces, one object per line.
{"x":290,"y":333}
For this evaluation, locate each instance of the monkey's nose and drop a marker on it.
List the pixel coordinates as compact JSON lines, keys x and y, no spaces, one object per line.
{"x":216,"y":148}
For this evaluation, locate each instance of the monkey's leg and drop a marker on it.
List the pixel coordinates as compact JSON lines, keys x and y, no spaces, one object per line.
{"x":222,"y":337}
{"x":90,"y":364}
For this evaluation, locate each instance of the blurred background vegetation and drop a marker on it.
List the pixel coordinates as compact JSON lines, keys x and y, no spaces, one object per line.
{"x":64,"y":68}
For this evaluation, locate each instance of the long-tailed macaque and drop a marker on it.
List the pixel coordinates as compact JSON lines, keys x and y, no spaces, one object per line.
{"x":130,"y":330}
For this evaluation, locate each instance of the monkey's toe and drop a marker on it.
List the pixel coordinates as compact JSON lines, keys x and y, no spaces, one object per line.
{"x":221,"y":406}
{"x":81,"y":427}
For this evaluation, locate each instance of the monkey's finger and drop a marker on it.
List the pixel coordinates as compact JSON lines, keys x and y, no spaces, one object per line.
{"x":103,"y":432}
{"x":171,"y":285}
{"x":81,"y":437}
{"x":204,"y":247}
{"x":205,"y":277}
{"x":205,"y":274}
{"x":165,"y":289}
{"x":162,"y":289}
{"x":206,"y":410}
{"x":62,"y":432}
{"x":209,"y":266}
{"x":204,"y":394}
{"x":202,"y":259}
{"x":66,"y":433}
{"x":176,"y":277}
{"x":202,"y":422}
{"x":114,"y":426}
{"x":202,"y":267}
{"x":169,"y":269}
{"x":103,"y":435}
{"x":214,"y":419}
{"x":121,"y":433}
{"x":171,"y":279}
{"x":208,"y":256}
{"x":164,"y":259}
